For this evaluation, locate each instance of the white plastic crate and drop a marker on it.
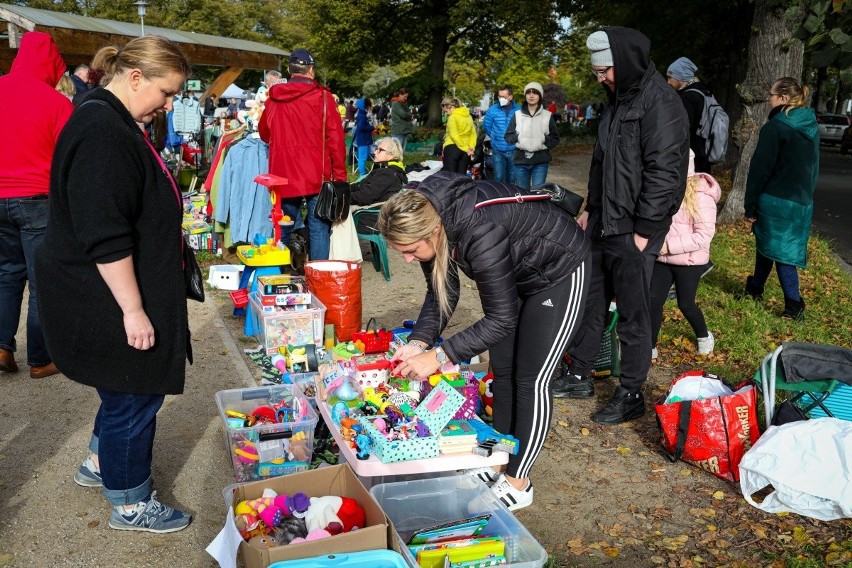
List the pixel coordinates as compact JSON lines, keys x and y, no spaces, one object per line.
{"x":225,"y":276}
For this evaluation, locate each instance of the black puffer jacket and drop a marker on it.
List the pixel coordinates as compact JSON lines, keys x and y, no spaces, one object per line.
{"x":511,"y":251}
{"x":638,"y":173}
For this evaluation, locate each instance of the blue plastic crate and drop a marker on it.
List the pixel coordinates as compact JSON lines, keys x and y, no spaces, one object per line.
{"x":366,"y":559}
{"x":838,"y":402}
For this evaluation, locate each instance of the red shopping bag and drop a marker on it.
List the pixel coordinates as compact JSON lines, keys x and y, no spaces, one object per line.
{"x":712,"y":432}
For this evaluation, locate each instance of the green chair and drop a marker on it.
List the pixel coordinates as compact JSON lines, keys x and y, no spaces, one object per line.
{"x":807,"y":395}
{"x":378,"y":245}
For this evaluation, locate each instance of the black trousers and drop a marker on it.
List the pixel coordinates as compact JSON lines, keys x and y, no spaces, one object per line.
{"x":455,"y":160}
{"x":621,"y":272}
{"x":523,"y":364}
{"x":685,"y":279}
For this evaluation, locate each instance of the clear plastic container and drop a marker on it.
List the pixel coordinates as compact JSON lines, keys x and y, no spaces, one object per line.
{"x":417,"y":504}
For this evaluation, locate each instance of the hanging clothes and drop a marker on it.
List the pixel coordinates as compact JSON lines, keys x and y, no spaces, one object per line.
{"x":243,"y":203}
{"x":187,"y":115}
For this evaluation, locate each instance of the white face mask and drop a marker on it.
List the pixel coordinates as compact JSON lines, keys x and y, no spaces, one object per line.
{"x":503,"y":101}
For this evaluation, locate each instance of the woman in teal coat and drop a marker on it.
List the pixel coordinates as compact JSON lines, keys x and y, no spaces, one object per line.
{"x":780,"y":190}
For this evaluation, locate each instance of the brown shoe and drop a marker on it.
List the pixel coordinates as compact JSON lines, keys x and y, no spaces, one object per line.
{"x":7,"y":361}
{"x":42,"y":371}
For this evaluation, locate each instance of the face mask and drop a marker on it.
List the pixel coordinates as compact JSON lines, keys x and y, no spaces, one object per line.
{"x":503,"y":101}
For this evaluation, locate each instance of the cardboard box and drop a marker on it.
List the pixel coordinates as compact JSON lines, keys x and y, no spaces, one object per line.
{"x":334,"y":480}
{"x":436,"y":410}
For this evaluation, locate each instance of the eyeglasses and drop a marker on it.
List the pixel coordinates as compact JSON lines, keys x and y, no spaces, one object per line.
{"x":380,"y":149}
{"x":601,"y":73}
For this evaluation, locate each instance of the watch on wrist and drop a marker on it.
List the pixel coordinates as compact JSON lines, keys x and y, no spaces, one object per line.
{"x":440,"y":355}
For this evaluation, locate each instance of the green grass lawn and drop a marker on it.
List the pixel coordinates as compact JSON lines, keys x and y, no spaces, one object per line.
{"x":746,"y":330}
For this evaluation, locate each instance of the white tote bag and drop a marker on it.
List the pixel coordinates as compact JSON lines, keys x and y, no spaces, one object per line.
{"x":807,"y":464}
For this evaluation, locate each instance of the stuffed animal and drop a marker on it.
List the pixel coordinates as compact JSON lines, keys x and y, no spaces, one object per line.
{"x":485,"y":393}
{"x":299,"y":447}
{"x":291,"y":529}
{"x":290,"y":505}
{"x":247,"y":521}
{"x":264,"y":541}
{"x":266,"y":510}
{"x":334,"y":514}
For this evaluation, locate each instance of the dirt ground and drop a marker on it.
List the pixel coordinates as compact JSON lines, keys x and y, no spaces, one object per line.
{"x":605,"y":496}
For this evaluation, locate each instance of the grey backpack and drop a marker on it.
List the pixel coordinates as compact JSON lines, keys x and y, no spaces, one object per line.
{"x":713,"y":127}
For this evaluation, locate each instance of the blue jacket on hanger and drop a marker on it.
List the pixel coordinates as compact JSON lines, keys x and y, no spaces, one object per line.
{"x":242,"y":203}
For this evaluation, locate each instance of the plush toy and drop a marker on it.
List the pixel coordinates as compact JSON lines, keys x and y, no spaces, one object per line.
{"x":267,"y":511}
{"x":313,"y":535}
{"x":364,"y":444}
{"x":291,"y":529}
{"x":263,"y":541}
{"x":485,"y":393}
{"x":299,"y":447}
{"x":295,"y":505}
{"x":334,"y":514}
{"x":247,"y":522}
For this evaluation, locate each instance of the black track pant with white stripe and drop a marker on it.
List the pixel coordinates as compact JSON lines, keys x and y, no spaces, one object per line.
{"x":523,"y":364}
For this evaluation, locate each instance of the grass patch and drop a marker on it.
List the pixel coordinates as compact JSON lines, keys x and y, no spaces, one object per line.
{"x":745,"y":330}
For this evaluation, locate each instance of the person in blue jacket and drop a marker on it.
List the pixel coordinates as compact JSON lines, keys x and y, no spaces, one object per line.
{"x":363,"y":137}
{"x":495,"y":123}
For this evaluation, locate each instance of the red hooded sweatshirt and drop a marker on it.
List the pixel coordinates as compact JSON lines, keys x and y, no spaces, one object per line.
{"x":292,"y":124}
{"x":27,"y":147}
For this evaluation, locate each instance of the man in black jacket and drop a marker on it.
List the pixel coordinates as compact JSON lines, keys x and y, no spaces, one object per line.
{"x":636,"y":183}
{"x":681,"y":76}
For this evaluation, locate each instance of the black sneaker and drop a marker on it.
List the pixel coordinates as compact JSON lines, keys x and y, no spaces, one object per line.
{"x":622,"y":407}
{"x":570,"y":385}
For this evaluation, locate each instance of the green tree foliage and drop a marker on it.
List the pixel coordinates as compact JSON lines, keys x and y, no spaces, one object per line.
{"x":392,"y":31}
{"x":824,"y":26}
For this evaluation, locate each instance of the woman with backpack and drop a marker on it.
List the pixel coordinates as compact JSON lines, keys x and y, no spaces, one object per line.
{"x":779,"y":198}
{"x":685,"y":256}
{"x":532,"y":306}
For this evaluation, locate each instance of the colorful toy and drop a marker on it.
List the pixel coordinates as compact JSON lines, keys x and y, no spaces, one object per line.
{"x":266,"y":510}
{"x":494,"y":440}
{"x":373,"y":341}
{"x":264,"y":541}
{"x":339,"y":411}
{"x":377,"y":400}
{"x":246,"y":452}
{"x":485,"y":394}
{"x":371,"y":370}
{"x":363,"y":445}
{"x":334,"y":514}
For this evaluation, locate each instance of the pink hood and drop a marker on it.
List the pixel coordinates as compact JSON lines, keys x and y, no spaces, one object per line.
{"x":688,"y":241}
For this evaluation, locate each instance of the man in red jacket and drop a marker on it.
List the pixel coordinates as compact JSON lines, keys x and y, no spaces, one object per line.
{"x":24,"y":181}
{"x":306,"y":144}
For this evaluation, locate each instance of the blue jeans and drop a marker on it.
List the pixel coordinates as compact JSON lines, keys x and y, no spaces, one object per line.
{"x":504,"y":167}
{"x":123,"y":440}
{"x":22,"y":225}
{"x":319,"y":230}
{"x":363,"y":156}
{"x":530,"y":176}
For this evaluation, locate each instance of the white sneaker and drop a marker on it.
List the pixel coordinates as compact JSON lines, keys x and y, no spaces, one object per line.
{"x":706,"y":344}
{"x":654,"y":353}
{"x":484,"y":474}
{"x":513,"y":498}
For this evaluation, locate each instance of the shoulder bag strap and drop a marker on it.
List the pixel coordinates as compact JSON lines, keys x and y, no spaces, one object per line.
{"x":322,"y":162}
{"x":517,"y":198}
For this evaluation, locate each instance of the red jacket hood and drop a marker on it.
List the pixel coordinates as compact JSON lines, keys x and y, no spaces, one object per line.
{"x":38,"y":56}
{"x":296,"y":88}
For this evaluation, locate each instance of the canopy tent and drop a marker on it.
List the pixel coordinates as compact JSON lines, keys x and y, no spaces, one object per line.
{"x":233,"y":92}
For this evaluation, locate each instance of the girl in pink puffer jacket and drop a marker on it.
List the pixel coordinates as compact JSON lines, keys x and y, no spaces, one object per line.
{"x":685,"y":256}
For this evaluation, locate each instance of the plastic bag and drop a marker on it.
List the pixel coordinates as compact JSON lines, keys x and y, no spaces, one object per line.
{"x":337,"y":284}
{"x":712,"y":433}
{"x":807,"y":464}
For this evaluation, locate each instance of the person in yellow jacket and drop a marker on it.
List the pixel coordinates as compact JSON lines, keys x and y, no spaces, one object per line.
{"x":460,"y":139}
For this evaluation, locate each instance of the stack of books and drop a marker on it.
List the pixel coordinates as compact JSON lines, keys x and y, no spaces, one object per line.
{"x":458,"y":544}
{"x":457,"y":437}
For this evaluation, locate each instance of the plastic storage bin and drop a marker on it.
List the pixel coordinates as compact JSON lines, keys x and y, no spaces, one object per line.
{"x":415,"y":505}
{"x":366,"y":559}
{"x":280,"y":328}
{"x":268,"y":450}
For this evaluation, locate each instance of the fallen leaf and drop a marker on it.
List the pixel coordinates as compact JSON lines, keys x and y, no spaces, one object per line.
{"x":611,"y":551}
{"x":799,"y":535}
{"x":562,"y":423}
{"x":93,"y":524}
{"x":658,"y":560}
{"x":719,"y":495}
{"x":623,"y":450}
{"x":686,"y":472}
{"x":584,"y":431}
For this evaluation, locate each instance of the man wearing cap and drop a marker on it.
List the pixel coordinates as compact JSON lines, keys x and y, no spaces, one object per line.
{"x":306,"y":144}
{"x":636,"y":183}
{"x":681,"y":76}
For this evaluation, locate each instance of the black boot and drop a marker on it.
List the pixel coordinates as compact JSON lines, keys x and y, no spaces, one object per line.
{"x":570,"y":385}
{"x":753,"y":290}
{"x":794,"y":310}
{"x":622,"y":407}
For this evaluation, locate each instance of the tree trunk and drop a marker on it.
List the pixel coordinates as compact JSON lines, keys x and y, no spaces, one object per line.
{"x":772,"y":54}
{"x":437,"y":56}
{"x":819,"y":100}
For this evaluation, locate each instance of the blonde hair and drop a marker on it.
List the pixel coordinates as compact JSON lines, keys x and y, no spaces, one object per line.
{"x":393,"y":147}
{"x":797,"y":95}
{"x":408,"y":217}
{"x":66,"y":86}
{"x":154,"y":55}
{"x":690,"y":198}
{"x":451,"y":101}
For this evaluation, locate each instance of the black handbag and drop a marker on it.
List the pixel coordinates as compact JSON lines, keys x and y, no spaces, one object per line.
{"x":334,"y":196}
{"x":333,"y":201}
{"x":565,"y":198}
{"x":192,"y":274}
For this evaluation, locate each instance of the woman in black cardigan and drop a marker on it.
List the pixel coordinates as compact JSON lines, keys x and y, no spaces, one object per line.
{"x":114,"y":310}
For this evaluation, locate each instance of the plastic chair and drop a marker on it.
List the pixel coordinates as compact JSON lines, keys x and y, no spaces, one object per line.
{"x":377,"y":243}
